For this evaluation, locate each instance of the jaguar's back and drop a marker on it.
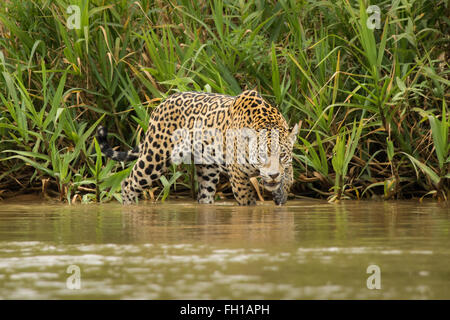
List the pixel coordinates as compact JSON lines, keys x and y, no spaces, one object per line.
{"x":189,"y":109}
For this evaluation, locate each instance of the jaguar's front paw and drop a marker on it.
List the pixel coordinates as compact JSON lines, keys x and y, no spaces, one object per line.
{"x":280,"y":195}
{"x":206,"y":201}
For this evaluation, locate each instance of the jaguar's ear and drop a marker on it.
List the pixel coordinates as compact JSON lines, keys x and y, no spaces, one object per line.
{"x":293,"y":135}
{"x":249,"y":94}
{"x":246,"y":96}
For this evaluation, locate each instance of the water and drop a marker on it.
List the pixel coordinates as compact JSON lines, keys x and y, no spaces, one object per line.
{"x":181,"y":250}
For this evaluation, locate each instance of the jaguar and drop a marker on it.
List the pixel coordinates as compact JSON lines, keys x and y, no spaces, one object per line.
{"x":239,"y":136}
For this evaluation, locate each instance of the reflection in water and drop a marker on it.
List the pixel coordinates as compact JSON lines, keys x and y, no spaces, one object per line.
{"x":302,"y":250}
{"x":210,"y":223}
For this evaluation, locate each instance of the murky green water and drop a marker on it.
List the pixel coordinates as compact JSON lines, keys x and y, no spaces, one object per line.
{"x":304,"y":250}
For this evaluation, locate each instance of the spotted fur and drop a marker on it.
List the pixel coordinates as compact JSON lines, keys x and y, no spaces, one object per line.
{"x":222,"y":113}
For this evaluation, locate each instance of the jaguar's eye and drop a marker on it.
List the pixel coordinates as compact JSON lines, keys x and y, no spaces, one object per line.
{"x":285,"y":158}
{"x":263,"y":158}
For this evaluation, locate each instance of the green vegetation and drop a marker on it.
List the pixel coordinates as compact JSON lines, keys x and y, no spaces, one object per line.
{"x":372,"y":103}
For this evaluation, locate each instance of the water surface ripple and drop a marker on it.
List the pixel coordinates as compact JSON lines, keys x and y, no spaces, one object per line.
{"x":181,"y":250}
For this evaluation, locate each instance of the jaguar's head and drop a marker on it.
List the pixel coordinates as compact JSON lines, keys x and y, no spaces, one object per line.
{"x":272,"y":154}
{"x":275,"y":161}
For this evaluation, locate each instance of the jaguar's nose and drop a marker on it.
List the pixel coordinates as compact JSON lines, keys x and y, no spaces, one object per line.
{"x":274,"y":175}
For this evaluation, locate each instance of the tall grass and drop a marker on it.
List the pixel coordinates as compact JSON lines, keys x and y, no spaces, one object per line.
{"x":372,"y":103}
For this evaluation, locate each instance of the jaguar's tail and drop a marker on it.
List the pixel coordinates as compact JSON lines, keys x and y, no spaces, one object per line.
{"x":110,"y":153}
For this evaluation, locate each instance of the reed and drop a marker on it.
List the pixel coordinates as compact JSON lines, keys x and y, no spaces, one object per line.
{"x":372,"y":102}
